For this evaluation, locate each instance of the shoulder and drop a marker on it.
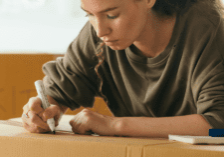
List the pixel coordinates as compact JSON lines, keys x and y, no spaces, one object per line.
{"x":202,"y":27}
{"x":85,"y":45}
{"x":200,"y":17}
{"x":81,"y":53}
{"x":200,"y":36}
{"x":203,"y":13}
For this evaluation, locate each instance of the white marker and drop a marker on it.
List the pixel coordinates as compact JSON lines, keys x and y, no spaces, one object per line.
{"x":45,"y":103}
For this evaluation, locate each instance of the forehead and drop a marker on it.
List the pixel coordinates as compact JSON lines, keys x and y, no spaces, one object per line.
{"x":98,"y":5}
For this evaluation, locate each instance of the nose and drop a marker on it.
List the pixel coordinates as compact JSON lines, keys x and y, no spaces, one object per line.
{"x":101,"y":28}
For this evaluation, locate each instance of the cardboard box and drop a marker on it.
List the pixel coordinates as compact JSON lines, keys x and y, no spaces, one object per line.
{"x":15,"y":141}
{"x":178,"y":149}
{"x":18,"y":74}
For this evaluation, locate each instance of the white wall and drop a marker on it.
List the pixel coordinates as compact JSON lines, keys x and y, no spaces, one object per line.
{"x":45,"y":26}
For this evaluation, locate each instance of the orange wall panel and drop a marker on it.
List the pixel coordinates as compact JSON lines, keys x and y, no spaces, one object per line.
{"x":17,"y":75}
{"x":18,"y":72}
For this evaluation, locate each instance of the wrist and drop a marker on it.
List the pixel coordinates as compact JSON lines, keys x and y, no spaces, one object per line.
{"x":63,"y":108}
{"x":120,"y":126}
{"x":130,"y":126}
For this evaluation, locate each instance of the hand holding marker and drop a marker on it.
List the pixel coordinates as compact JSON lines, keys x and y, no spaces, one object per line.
{"x":45,"y":104}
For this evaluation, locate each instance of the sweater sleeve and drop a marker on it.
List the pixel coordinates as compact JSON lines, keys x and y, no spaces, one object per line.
{"x":210,"y":102}
{"x":209,"y":84}
{"x":71,"y":80}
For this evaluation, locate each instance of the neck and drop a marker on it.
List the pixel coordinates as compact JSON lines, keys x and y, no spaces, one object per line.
{"x":156,"y":35}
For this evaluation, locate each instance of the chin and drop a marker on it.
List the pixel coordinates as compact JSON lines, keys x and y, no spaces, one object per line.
{"x":116,"y":48}
{"x":119,"y":47}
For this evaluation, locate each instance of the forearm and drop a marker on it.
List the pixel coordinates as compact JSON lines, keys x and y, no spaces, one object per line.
{"x":162,"y":127}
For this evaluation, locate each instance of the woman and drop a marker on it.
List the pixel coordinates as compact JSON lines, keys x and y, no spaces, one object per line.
{"x":158,"y":65}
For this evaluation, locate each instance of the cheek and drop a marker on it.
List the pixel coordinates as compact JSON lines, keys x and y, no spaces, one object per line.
{"x":120,"y":27}
{"x":137,"y":22}
{"x":128,"y":30}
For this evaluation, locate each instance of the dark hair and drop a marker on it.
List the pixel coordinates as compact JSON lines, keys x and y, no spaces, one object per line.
{"x":170,"y":7}
{"x":100,"y":58}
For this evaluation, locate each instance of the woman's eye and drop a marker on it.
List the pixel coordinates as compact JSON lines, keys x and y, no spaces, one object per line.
{"x":111,"y":17}
{"x":108,"y":16}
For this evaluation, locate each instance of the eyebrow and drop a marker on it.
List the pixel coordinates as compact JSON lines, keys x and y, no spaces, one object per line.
{"x":102,"y":11}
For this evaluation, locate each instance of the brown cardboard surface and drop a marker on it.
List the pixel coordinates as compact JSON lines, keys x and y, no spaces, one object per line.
{"x":82,"y":146}
{"x":15,"y":141}
{"x":18,"y":72}
{"x":178,"y":149}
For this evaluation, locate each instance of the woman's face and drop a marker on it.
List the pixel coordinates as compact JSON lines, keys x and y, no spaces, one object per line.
{"x":117,"y":22}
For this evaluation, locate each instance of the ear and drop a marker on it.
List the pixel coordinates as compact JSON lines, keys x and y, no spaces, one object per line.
{"x":150,"y":3}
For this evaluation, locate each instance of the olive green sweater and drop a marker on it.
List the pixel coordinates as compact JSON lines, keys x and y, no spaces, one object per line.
{"x":186,"y":78}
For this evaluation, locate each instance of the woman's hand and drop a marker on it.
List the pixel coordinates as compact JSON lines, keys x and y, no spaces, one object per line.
{"x":87,"y":122}
{"x":35,"y":117}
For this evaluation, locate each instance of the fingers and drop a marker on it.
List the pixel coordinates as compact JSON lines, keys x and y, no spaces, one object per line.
{"x":26,"y":108}
{"x":80,"y":128}
{"x":32,"y":116}
{"x":88,"y":122}
{"x":80,"y":123}
{"x":34,"y":129}
{"x":52,"y":112}
{"x":34,"y":124}
{"x":34,"y":120}
{"x":34,"y":104}
{"x":76,"y":125}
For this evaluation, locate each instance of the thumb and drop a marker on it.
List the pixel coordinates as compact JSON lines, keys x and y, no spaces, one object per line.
{"x":51,"y":112}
